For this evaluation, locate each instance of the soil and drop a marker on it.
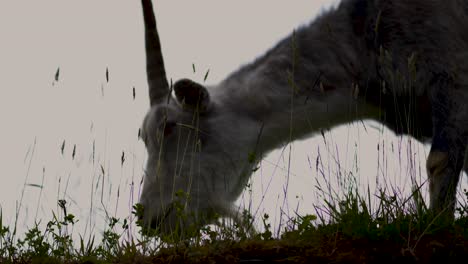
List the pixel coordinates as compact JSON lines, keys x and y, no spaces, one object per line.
{"x":443,"y":247}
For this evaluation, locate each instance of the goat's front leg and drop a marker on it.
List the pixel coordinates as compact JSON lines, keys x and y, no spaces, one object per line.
{"x":447,"y":155}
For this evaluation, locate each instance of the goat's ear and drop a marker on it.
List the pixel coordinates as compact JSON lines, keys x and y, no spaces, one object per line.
{"x":192,"y":95}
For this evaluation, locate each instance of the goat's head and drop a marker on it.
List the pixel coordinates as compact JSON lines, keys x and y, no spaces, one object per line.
{"x":195,"y":167}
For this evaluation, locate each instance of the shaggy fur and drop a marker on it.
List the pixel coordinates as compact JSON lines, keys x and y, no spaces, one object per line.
{"x":403,"y":63}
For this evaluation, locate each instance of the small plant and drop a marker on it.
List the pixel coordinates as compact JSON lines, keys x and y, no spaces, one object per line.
{"x":7,"y":247}
{"x":35,"y":244}
{"x":110,"y":244}
{"x":267,"y":234}
{"x":62,"y":244}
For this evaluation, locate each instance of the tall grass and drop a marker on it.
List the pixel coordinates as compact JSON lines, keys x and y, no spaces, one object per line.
{"x":392,"y":224}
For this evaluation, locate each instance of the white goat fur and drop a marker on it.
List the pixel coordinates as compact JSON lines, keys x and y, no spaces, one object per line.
{"x":400,"y":62}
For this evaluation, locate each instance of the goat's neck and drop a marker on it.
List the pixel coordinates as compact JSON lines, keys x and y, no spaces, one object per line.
{"x":305,"y":84}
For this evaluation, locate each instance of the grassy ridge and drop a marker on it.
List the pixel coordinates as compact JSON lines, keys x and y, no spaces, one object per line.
{"x":396,"y":230}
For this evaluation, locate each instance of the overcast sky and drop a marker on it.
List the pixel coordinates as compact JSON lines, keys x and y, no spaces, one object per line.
{"x":83,"y":38}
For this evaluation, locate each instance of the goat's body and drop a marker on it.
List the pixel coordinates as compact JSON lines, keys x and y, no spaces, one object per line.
{"x":402,"y":63}
{"x":329,"y":47}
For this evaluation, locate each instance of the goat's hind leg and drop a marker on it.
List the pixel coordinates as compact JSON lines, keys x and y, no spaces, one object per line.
{"x":465,"y":166}
{"x":447,"y":155}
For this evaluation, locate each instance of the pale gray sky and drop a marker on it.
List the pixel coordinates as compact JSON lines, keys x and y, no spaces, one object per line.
{"x":84,"y":38}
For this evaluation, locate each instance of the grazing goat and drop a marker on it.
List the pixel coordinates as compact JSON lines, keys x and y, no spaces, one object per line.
{"x":403,"y":63}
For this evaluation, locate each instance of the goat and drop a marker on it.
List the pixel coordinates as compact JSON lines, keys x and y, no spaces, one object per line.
{"x":402,"y":63}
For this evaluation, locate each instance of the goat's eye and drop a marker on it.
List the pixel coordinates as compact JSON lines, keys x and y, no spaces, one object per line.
{"x":167,"y":128}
